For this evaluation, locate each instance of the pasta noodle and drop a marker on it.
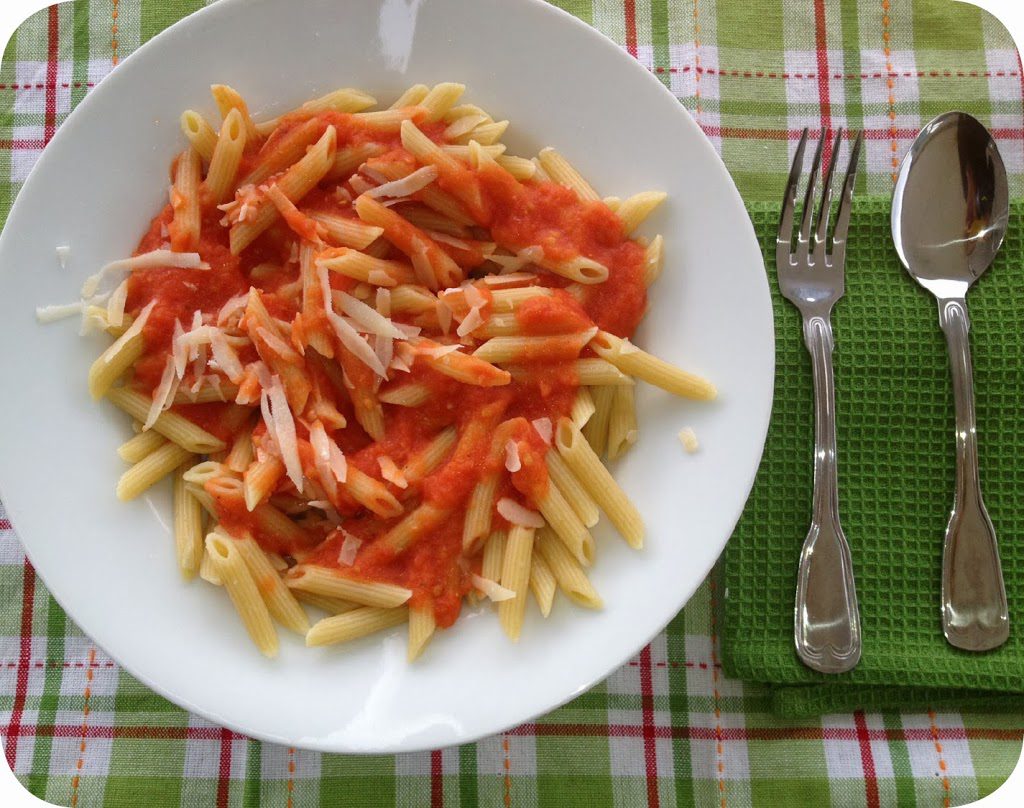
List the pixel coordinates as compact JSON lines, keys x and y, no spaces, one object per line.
{"x":384,"y":357}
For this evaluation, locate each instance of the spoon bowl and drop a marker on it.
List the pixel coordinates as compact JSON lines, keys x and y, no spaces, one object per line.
{"x":949,"y":216}
{"x":951,"y":204}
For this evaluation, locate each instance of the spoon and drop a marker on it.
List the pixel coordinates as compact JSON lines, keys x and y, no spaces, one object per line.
{"x":949,"y":216}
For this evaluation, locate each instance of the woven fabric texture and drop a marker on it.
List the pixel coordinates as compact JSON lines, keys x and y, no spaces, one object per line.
{"x":894,"y":410}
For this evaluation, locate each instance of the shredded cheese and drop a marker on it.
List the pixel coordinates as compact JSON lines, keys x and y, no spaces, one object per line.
{"x":516,"y":514}
{"x":689,"y":439}
{"x":544,"y":429}
{"x":349,"y":547}
{"x":163,"y":395}
{"x":133,"y":331}
{"x":50,"y":314}
{"x":157,"y":259}
{"x":348,"y":336}
{"x":284,"y":432}
{"x":406,"y":186}
{"x":63,"y":252}
{"x":512,"y":461}
{"x":492,"y":589}
{"x":390,"y":471}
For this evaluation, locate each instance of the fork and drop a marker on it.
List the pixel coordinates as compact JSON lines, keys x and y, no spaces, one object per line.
{"x":826,"y":626}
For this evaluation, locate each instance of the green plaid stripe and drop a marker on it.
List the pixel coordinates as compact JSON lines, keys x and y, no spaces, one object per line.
{"x":668,"y":728}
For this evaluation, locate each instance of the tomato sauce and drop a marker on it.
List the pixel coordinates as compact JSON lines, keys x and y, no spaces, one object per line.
{"x":513,"y":214}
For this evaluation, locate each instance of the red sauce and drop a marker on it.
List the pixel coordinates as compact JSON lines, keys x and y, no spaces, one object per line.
{"x":544,"y":385}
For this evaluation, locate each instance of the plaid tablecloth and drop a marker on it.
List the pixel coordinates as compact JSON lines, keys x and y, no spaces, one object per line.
{"x":667,"y":728}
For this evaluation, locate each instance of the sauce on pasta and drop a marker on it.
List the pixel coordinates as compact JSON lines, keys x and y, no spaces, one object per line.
{"x":514,"y":214}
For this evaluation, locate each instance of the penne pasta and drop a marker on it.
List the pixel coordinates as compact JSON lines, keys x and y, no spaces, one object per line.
{"x":567,"y":571}
{"x":515,"y":575}
{"x":354,"y":624}
{"x":638,"y":207}
{"x":582,"y":407}
{"x":653,"y":260}
{"x":362,"y":267}
{"x":542,"y":583}
{"x":220,"y":180}
{"x":199,"y":133}
{"x":390,"y":391}
{"x":345,"y":232}
{"x":584,"y":462}
{"x":169,"y":424}
{"x":229,"y":567}
{"x":560,"y":171}
{"x":635,"y":362}
{"x":184,"y":228}
{"x":188,"y":526}
{"x":324,"y":581}
{"x":622,"y":424}
{"x":150,"y":470}
{"x":280,"y":601}
{"x":596,"y":429}
{"x":405,"y":395}
{"x":421,"y":629}
{"x":260,"y":480}
{"x":428,"y":459}
{"x":570,"y":487}
{"x":324,"y":603}
{"x":494,"y":556}
{"x":559,"y":348}
{"x":567,"y":525}
{"x":136,"y":448}
{"x":227,"y":99}
{"x":295,"y":183}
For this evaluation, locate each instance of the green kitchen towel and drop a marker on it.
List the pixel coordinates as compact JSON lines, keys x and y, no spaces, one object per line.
{"x":894,"y":410}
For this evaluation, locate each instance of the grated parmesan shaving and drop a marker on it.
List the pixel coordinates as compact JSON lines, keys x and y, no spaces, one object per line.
{"x":444,"y":238}
{"x":406,"y":186}
{"x":277,"y":345}
{"x":511,"y":279}
{"x":50,"y":314}
{"x":157,"y":259}
{"x":348,"y":336}
{"x":349,"y":548}
{"x":544,"y":429}
{"x":225,"y":357}
{"x":133,"y":331}
{"x":689,"y":439}
{"x":492,"y":589}
{"x":441,"y":350}
{"x":63,"y":252}
{"x":115,"y":305}
{"x":512,"y":461}
{"x":284,"y":431}
{"x":179,"y":352}
{"x":229,"y":309}
{"x":470,"y":323}
{"x":390,"y":472}
{"x":518,"y":515}
{"x":513,"y":263}
{"x":163,"y":396}
{"x":369,"y":319}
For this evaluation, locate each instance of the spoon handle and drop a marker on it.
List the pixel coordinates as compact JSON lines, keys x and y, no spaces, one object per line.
{"x":974,"y":611}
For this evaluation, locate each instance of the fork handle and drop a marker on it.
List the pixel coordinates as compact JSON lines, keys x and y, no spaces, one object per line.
{"x":819,"y":342}
{"x":826,"y":621}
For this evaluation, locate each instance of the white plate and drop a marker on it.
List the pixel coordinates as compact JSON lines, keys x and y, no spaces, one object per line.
{"x":111,"y":565}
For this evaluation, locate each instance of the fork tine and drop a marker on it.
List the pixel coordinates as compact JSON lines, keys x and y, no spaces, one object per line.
{"x":785,"y":235}
{"x":845,"y":202}
{"x":826,"y":202}
{"x":803,"y":237}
